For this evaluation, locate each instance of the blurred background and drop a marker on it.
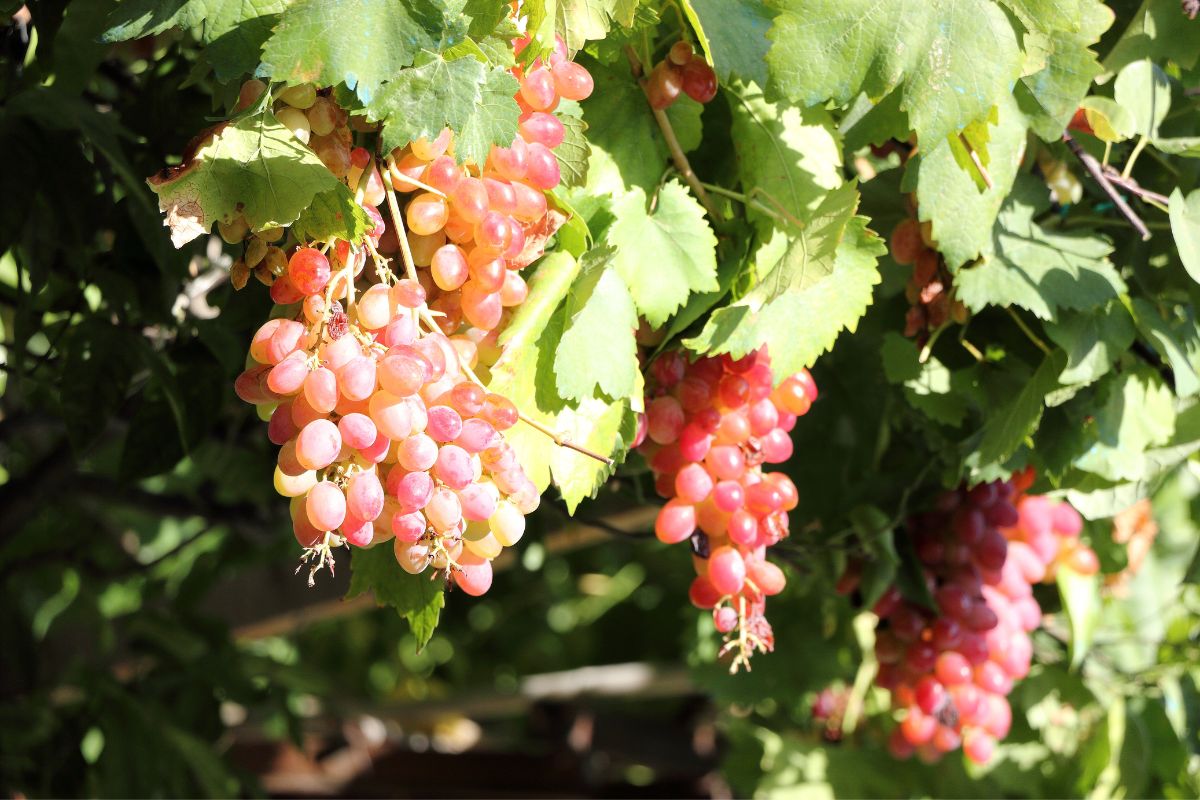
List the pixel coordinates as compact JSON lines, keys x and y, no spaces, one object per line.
{"x":157,"y":642}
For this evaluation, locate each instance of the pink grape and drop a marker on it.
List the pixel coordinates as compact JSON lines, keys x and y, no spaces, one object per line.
{"x":321,"y":389}
{"x":318,"y":445}
{"x":474,"y":575}
{"x":415,"y":490}
{"x":364,"y":496}
{"x":308,"y":269}
{"x":357,"y":430}
{"x":326,"y":506}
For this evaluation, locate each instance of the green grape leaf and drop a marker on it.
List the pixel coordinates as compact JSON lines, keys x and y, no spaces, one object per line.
{"x":597,"y":350}
{"x":1186,"y":146}
{"x":1145,"y":91}
{"x":1093,"y":341}
{"x":333,"y":214}
{"x":524,"y":373}
{"x":948,"y":186}
{"x":927,"y":386}
{"x":1158,"y":32}
{"x":874,"y":123}
{"x":627,"y":148}
{"x":232,"y":31}
{"x":1018,"y":417}
{"x":789,"y":158}
{"x":931,"y":49}
{"x":1178,"y":343}
{"x":1036,"y":269}
{"x":326,"y":41}
{"x":1138,"y":413}
{"x":415,"y":597}
{"x":799,"y":308}
{"x":254,"y":167}
{"x":734,"y":35}
{"x":1081,"y":600}
{"x":1048,"y":16}
{"x":1185,"y":227}
{"x":581,"y":21}
{"x":665,"y":255}
{"x":1055,"y":91}
{"x":573,"y":152}
{"x":474,"y":101}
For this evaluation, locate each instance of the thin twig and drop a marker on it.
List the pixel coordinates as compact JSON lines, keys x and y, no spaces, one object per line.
{"x":677,"y":154}
{"x":983,"y":172}
{"x":1130,"y":185}
{"x":1097,"y":172}
{"x":410,"y":268}
{"x":1025,"y":329}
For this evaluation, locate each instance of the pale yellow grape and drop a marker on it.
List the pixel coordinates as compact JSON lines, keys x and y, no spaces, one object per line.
{"x":233,"y":232}
{"x":265,"y":410}
{"x":300,"y":97}
{"x":507,"y":523}
{"x":481,"y":541}
{"x":374,"y":308}
{"x":294,"y":120}
{"x":294,"y":485}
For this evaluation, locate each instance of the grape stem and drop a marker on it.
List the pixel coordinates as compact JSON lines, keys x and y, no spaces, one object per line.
{"x":677,"y":154}
{"x":1159,"y":201}
{"x":1097,"y":172}
{"x":983,"y":172}
{"x":427,"y":317}
{"x":1029,"y":334}
{"x":778,"y":213}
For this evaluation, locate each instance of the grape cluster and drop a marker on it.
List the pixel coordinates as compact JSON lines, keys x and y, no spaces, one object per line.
{"x":681,"y":71}
{"x":950,"y":671}
{"x":709,"y":427}
{"x":929,"y":291}
{"x":473,"y":228}
{"x":382,"y":434}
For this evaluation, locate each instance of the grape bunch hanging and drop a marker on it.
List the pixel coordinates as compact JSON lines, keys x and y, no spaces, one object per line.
{"x":950,"y":668}
{"x":710,"y":425}
{"x":367,"y":379}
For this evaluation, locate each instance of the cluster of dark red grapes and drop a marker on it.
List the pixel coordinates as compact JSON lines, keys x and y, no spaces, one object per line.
{"x":370,"y":392}
{"x":950,"y":669}
{"x":929,"y":291}
{"x":681,"y":71}
{"x":709,"y":427}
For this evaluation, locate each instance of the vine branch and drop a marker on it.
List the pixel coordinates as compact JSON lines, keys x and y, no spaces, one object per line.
{"x":1097,"y":172}
{"x":677,"y":154}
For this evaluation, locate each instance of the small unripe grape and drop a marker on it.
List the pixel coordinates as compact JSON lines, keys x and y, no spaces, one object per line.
{"x":699,"y":81}
{"x":681,"y":53}
{"x":664,"y":85}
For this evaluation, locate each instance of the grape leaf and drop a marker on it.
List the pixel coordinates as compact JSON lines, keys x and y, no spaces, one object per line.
{"x":1081,"y":600}
{"x":573,"y":152}
{"x":326,"y":41}
{"x":1145,"y":91}
{"x":524,"y":373}
{"x":597,"y":349}
{"x":580,"y":21}
{"x":627,"y":146}
{"x":834,"y":49}
{"x":417,"y":598}
{"x":1158,"y":32}
{"x":1179,"y":343}
{"x":869,"y":123}
{"x":1185,"y":227}
{"x":1036,"y":269}
{"x":1092,"y":341}
{"x":949,"y":195}
{"x":1138,"y":413}
{"x":665,"y":255}
{"x":788,"y":154}
{"x":255,"y":167}
{"x":474,"y":101}
{"x":1050,"y":96}
{"x":734,"y":35}
{"x":232,"y":31}
{"x":333,"y":214}
{"x":926,"y":385}
{"x":1018,"y":417}
{"x":799,"y":313}
{"x":1048,"y":16}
